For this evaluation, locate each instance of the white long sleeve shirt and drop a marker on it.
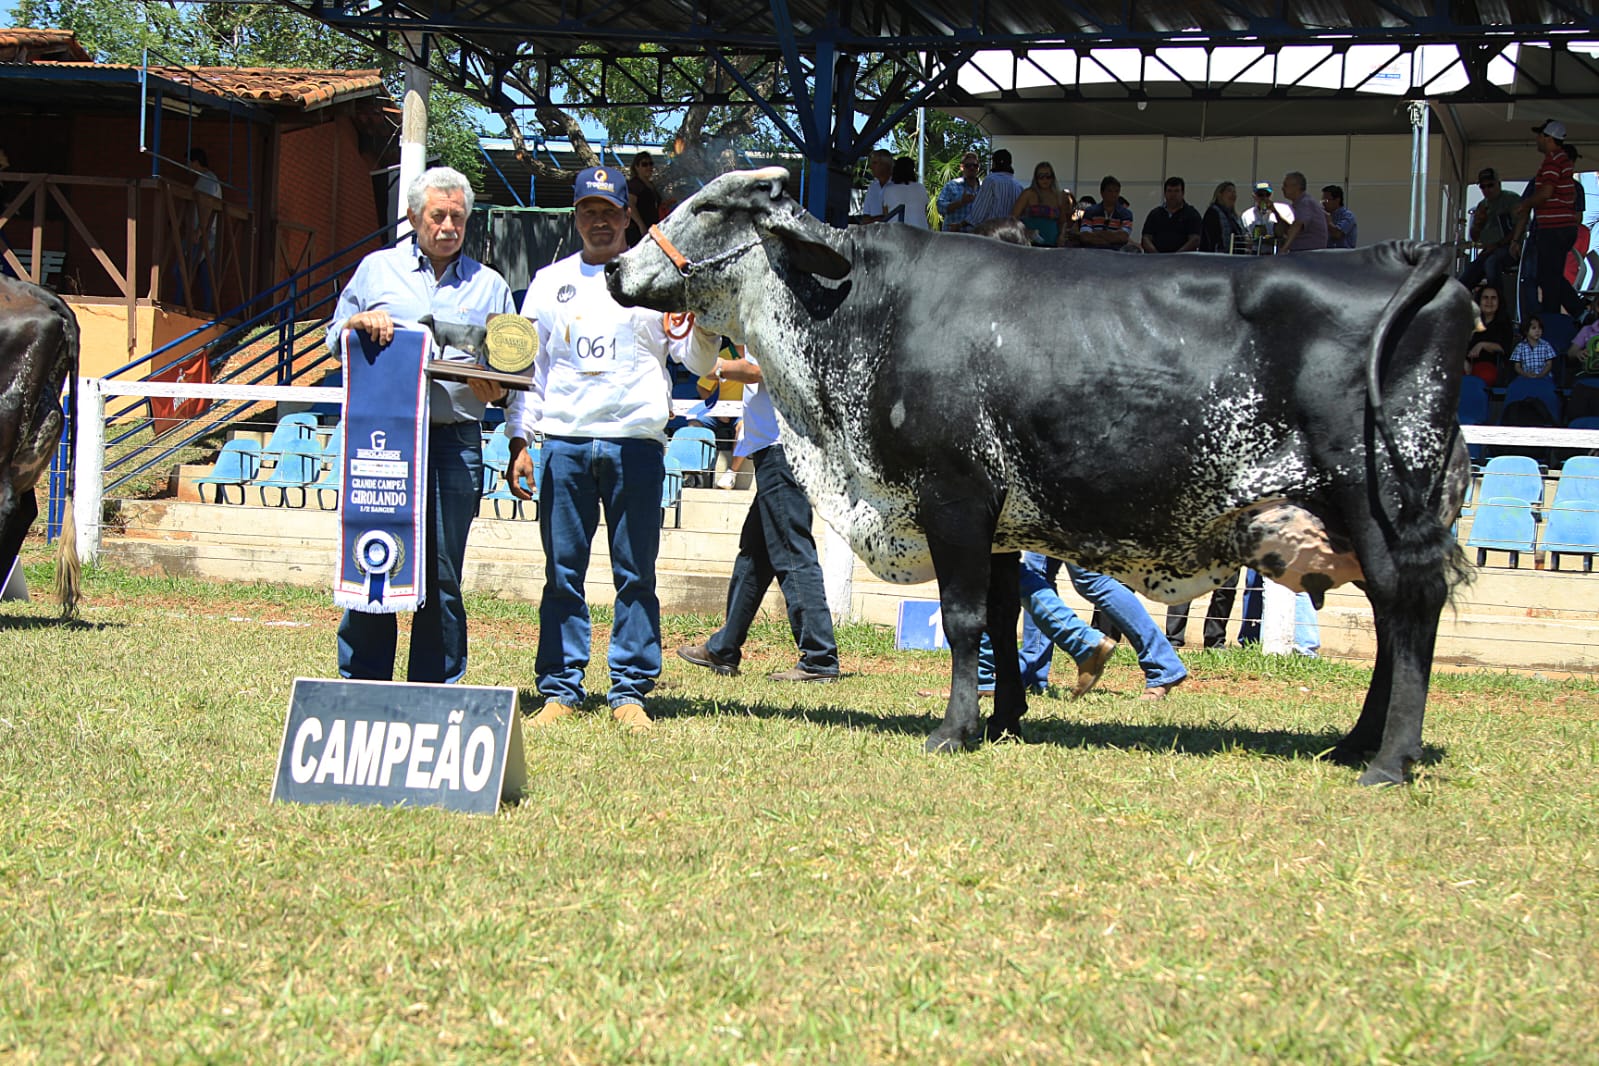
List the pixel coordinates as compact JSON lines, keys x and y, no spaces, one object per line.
{"x":601,"y":367}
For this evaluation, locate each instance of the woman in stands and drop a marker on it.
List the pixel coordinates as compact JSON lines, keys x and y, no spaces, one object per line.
{"x":905,"y":199}
{"x":1489,"y":348}
{"x":1045,"y":209}
{"x":1221,"y":222}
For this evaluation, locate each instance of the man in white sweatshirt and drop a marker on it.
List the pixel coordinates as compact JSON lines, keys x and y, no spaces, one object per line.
{"x":601,"y":397}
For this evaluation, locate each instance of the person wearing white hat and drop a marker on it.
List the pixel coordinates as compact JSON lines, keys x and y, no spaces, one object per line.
{"x":1553,"y":204}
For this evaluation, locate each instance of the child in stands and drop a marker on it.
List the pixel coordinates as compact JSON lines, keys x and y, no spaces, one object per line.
{"x":1534,"y":355}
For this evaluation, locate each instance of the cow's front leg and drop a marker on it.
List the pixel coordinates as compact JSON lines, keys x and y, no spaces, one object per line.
{"x":963,"y":576}
{"x":1004,"y":608}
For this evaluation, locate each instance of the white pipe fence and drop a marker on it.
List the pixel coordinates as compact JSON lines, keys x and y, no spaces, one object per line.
{"x":1276,"y":622}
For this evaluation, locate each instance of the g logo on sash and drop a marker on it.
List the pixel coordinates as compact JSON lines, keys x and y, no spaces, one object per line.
{"x":377,"y":553}
{"x":512,"y":343}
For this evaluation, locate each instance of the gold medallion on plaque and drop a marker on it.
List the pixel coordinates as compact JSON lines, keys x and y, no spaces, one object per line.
{"x":512,"y":343}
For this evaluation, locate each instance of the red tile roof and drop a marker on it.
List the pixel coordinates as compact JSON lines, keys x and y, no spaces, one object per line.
{"x":23,"y":45}
{"x":302,"y":89}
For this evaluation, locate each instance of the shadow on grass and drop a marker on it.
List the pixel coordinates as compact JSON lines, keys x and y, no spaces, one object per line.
{"x":1183,"y":739}
{"x":21,"y":621}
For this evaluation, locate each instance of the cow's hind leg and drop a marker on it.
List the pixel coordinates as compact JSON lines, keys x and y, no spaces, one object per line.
{"x":1407,"y":582}
{"x":1004,"y":609}
{"x":14,"y":530}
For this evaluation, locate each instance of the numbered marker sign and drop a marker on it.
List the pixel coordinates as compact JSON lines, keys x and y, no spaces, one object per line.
{"x":921,"y":626}
{"x":388,"y":744}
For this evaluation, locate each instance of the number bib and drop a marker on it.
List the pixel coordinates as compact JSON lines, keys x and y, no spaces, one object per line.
{"x":599,"y":345}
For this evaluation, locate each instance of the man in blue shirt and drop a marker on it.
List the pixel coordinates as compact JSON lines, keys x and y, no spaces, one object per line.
{"x":428,"y":274}
{"x":955,"y":198}
{"x":1107,"y":224}
{"x":1340,"y":220}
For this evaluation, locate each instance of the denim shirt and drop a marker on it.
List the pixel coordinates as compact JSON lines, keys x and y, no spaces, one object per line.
{"x":400,"y":281}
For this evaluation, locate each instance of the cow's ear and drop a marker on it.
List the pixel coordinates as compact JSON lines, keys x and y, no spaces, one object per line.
{"x":808,"y":245}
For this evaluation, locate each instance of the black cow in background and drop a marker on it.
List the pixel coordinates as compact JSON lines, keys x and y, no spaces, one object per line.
{"x":945,"y":397}
{"x":38,"y":350}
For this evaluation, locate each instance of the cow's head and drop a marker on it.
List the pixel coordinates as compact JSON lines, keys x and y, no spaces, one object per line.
{"x":731,"y":234}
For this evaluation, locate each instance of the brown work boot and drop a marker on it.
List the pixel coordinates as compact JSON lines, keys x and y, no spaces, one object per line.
{"x":551,"y":712}
{"x":633,"y":716}
{"x":1089,"y":669}
{"x":1160,"y":692}
{"x":701,"y":655}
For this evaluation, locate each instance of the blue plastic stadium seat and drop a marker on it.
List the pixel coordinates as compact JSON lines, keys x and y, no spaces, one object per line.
{"x":672,"y":492}
{"x":1572,"y":529}
{"x":1540,"y":389}
{"x":1517,"y":477}
{"x":1579,"y":480}
{"x":237,"y":464}
{"x":298,"y":468}
{"x":290,"y":428}
{"x":1502,"y":524}
{"x":329,"y":485}
{"x":696,"y":458}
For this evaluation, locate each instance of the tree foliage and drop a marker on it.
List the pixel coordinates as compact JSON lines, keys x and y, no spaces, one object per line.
{"x":247,"y":35}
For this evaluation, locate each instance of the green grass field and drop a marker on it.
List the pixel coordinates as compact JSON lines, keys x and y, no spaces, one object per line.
{"x":778,"y":874}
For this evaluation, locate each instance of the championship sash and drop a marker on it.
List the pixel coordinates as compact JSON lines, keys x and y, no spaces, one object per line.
{"x":383,"y":490}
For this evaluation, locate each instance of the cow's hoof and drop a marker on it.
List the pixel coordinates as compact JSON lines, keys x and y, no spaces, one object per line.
{"x":936,"y":744}
{"x":1352,"y":755}
{"x":1376,"y":775}
{"x":1002,"y":730}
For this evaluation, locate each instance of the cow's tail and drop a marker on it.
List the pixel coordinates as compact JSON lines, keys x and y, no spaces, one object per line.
{"x":1421,"y":534}
{"x":69,"y":568}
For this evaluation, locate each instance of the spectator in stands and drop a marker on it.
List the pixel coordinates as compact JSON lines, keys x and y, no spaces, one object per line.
{"x":1221,"y":224}
{"x":1341,"y":222}
{"x":1553,"y":205}
{"x":956,"y":197}
{"x":1493,"y":344}
{"x":643,"y":202}
{"x":999,"y":192}
{"x":1266,"y":221}
{"x":600,"y":397}
{"x":776,"y":542}
{"x":1173,"y":225}
{"x":882,"y":167}
{"x":1493,"y":222}
{"x":428,"y":274}
{"x":1308,"y":229}
{"x":905,"y":199}
{"x":1107,"y":224}
{"x":1533,"y":356}
{"x":1044,"y":208}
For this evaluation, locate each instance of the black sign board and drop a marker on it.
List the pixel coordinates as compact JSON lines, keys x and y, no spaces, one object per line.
{"x":390,"y":743}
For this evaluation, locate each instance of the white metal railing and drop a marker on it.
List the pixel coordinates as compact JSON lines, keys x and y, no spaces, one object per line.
{"x":1277,"y":615}
{"x":89,"y":474}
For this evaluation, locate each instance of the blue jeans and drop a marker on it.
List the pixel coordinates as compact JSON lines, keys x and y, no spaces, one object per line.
{"x":1046,"y":622}
{"x":1307,"y":631}
{"x":1489,"y":267}
{"x":1554,"y":246}
{"x":1254,"y":604}
{"x":438,"y":629}
{"x":777,"y":543}
{"x":1155,"y":655}
{"x":581,"y":475}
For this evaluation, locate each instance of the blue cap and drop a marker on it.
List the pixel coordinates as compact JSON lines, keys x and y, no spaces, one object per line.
{"x":608,"y":183}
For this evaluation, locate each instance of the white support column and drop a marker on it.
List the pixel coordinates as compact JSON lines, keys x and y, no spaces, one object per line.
{"x":88,"y":478}
{"x":838,"y":569}
{"x":1276,"y":618}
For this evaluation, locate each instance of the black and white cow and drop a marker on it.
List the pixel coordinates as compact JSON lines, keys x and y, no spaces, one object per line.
{"x":1160,"y":418}
{"x":38,"y":350}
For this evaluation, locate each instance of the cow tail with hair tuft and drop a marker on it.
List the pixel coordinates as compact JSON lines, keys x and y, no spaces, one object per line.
{"x":68,"y":566}
{"x":1421,"y":536}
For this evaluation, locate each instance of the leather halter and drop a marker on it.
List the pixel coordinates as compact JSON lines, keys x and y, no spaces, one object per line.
{"x":686,"y":266}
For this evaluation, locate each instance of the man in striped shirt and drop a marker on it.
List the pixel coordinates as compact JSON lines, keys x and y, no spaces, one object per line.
{"x":1554,"y":205}
{"x":998,"y":194}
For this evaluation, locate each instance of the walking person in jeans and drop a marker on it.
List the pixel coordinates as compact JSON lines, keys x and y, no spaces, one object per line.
{"x":776,"y":543}
{"x":1553,"y":206}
